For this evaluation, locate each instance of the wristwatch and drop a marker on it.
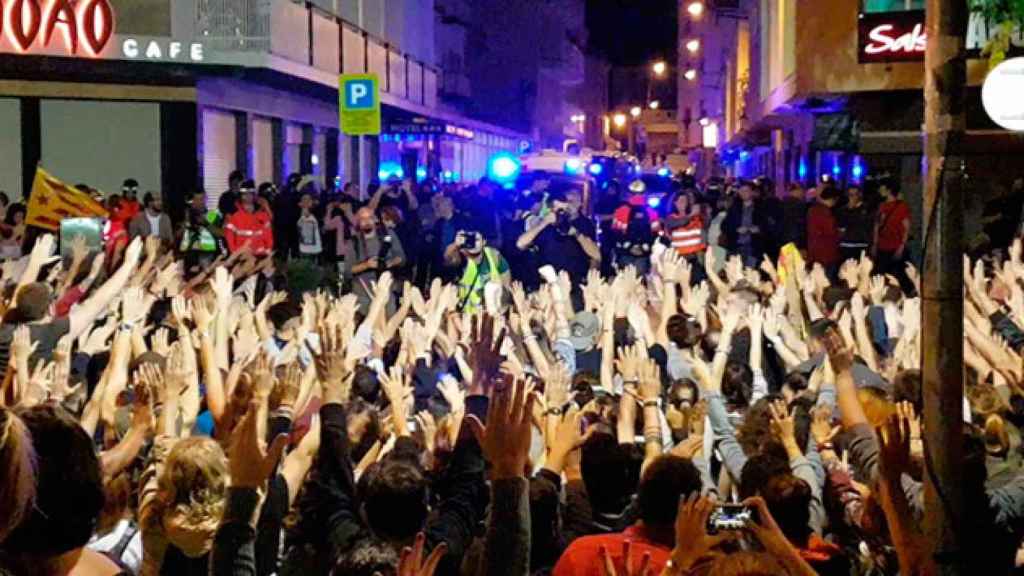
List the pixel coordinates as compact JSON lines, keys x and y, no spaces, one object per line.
{"x":555,"y":411}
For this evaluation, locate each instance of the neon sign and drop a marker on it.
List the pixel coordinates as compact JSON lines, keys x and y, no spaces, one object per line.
{"x":901,"y":36}
{"x":883,"y":40}
{"x":85,"y":26}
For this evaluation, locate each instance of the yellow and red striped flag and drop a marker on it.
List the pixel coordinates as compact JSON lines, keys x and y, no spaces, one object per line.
{"x":53,"y":200}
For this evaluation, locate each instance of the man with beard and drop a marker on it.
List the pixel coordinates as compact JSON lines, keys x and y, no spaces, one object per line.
{"x":152,"y":221}
{"x":369,"y":252}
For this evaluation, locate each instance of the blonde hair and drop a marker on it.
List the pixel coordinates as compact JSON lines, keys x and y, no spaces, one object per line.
{"x":18,"y":462}
{"x":193,"y":484}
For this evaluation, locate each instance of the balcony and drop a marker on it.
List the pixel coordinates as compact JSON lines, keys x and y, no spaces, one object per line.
{"x":308,"y":39}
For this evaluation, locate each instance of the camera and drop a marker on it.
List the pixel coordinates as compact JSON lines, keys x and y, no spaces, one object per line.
{"x":563,"y":224}
{"x":730,"y":517}
{"x":469,"y":239}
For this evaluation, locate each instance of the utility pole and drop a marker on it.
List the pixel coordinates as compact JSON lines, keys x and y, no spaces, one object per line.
{"x":942,"y":283}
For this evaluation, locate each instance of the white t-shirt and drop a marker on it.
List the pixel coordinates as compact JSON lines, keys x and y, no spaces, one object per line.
{"x":154,"y":224}
{"x":309,"y":235}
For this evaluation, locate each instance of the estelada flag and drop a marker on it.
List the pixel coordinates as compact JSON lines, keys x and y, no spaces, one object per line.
{"x":53,"y":200}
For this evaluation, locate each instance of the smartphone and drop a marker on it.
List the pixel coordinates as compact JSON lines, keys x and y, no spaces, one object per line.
{"x":729,"y":517}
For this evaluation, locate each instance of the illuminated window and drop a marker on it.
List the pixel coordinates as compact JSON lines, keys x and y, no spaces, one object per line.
{"x":891,"y":5}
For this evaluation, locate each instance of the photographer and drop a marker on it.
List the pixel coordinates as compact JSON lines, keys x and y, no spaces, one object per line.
{"x":564,"y":238}
{"x":371,"y":250}
{"x":480,"y":265}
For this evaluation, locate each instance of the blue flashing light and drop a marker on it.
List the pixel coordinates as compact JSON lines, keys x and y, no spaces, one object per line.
{"x":508,"y":185}
{"x":503,"y":167}
{"x":421,"y":174}
{"x":801,"y":170}
{"x":455,"y":177}
{"x":857,"y":171}
{"x":388,"y":170}
{"x":663,"y":172}
{"x":596,"y":169}
{"x":447,"y":175}
{"x":385,"y":137}
{"x":744,"y":154}
{"x":836,"y":170}
{"x":654,"y":201}
{"x":573,"y":166}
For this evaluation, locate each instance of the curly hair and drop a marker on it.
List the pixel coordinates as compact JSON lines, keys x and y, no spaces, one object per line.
{"x":193,"y":484}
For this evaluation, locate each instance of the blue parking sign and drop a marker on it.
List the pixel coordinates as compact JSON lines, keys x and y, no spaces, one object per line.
{"x":359,"y":104}
{"x":359,"y":94}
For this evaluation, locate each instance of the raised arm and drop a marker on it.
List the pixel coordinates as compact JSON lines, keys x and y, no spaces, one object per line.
{"x":86,"y":313}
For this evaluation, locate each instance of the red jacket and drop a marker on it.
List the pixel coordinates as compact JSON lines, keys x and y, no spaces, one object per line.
{"x":253,"y":228}
{"x":822,"y":236}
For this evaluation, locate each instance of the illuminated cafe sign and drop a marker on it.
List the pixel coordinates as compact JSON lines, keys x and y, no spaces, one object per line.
{"x":901,"y":37}
{"x":82,"y":29}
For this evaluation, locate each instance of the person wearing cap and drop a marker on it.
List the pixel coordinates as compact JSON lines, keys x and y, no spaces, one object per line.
{"x":480,"y":264}
{"x":635,"y":226}
{"x":129,"y":198}
{"x":584,"y":332}
{"x":152,"y":221}
{"x":199,"y":237}
{"x":249,"y":225}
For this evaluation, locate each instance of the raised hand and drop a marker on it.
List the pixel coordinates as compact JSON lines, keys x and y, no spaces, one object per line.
{"x":783,"y":424}
{"x":332,"y":367}
{"x":840,"y":354}
{"x":692,"y":539}
{"x":412,"y":563}
{"x":485,"y":356}
{"x":505,"y":441}
{"x":249,"y":460}
{"x":453,"y":394}
{"x":134,"y":305}
{"x":286,"y":389}
{"x":822,"y":429}
{"x":629,"y":568}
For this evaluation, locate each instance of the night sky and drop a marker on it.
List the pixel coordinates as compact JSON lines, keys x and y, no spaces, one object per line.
{"x":632,"y":32}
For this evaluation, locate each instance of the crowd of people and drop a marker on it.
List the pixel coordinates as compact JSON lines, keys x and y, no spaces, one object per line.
{"x":501,"y":382}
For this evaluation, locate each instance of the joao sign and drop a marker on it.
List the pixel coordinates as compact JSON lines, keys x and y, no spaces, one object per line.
{"x":359,"y":104}
{"x":901,"y":36}
{"x":82,"y":29}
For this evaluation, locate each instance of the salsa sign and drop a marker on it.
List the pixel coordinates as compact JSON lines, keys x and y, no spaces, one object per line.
{"x":901,"y":36}
{"x":64,"y":27}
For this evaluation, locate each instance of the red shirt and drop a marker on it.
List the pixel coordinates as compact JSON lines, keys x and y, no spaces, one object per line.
{"x":620,"y":219}
{"x":583,"y":558}
{"x":893,"y":220}
{"x":822,"y":235}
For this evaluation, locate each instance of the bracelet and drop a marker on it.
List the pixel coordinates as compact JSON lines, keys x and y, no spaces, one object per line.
{"x":556,"y":411}
{"x":649,"y":403}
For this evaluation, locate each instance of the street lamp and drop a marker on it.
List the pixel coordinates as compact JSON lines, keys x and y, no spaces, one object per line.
{"x":634,"y":111}
{"x":690,"y":74}
{"x":705,"y":121}
{"x":654,"y":104}
{"x":696,"y":8}
{"x":659,"y":68}
{"x":693,"y":45}
{"x":619,"y":119}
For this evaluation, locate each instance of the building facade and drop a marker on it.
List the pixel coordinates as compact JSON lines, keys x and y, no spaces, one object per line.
{"x":834,"y":90}
{"x":177,"y":94}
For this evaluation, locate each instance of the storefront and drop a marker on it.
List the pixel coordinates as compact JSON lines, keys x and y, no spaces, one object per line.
{"x":95,"y":103}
